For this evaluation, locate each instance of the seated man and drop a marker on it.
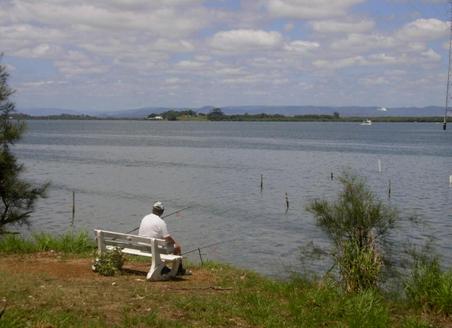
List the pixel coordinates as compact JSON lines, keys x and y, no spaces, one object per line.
{"x":153,"y":226}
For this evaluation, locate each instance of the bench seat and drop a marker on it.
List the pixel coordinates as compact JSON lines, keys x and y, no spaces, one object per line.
{"x":156,"y":249}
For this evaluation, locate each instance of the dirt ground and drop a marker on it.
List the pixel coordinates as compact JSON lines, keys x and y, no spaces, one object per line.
{"x":56,"y":284}
{"x":62,"y":268}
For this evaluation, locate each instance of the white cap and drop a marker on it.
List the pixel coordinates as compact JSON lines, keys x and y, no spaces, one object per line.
{"x":158,"y":206}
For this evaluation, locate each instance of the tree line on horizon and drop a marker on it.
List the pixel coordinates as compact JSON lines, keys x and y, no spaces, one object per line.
{"x":217,"y":114}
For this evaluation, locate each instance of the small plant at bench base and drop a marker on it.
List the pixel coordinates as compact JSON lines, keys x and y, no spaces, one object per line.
{"x":109,"y":263}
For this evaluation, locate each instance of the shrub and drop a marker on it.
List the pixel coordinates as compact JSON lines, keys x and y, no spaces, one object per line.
{"x":357,"y":224}
{"x":109,"y":263}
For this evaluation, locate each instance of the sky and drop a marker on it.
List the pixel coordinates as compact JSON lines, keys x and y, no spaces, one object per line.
{"x":104,"y":55}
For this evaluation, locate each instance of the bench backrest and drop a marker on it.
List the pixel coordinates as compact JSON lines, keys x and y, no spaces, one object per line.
{"x":122,"y":240}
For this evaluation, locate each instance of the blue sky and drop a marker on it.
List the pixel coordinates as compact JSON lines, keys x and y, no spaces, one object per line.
{"x":103,"y":55}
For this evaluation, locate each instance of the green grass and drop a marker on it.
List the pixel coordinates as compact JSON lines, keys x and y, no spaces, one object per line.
{"x":430,"y":287}
{"x":68,"y":243}
{"x":243,"y":298}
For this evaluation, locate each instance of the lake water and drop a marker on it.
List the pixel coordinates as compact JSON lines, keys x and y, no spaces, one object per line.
{"x":117,"y":169}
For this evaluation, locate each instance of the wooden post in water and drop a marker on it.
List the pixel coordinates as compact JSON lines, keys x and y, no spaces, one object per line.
{"x":450,"y":180}
{"x":379,"y":166}
{"x":200,"y":256}
{"x":287,"y":202}
{"x":332,"y":176}
{"x":262,"y":182}
{"x":389,"y":189}
{"x":73,"y":209}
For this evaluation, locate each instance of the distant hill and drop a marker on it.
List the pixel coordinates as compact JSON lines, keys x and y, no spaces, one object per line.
{"x":294,"y":110}
{"x":135,"y":113}
{"x":43,"y":111}
{"x":343,"y":111}
{"x":360,"y":111}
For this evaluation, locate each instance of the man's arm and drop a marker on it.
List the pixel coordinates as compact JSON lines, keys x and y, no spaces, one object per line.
{"x":177,"y":248}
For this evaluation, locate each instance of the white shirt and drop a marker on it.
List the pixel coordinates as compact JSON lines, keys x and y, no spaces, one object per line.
{"x":153,"y":226}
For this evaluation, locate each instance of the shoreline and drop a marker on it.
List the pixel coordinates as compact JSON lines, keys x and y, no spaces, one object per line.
{"x":394,"y":119}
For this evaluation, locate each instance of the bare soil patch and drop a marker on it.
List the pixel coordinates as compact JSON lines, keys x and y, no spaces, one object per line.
{"x":59,"y":267}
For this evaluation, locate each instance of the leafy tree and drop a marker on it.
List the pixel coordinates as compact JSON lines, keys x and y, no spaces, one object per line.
{"x":357,"y":224}
{"x":216,"y":114}
{"x":189,"y":112}
{"x":17,"y":197}
{"x":171,"y":115}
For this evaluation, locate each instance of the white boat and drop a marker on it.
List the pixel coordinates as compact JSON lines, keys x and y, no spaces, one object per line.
{"x":366,"y":122}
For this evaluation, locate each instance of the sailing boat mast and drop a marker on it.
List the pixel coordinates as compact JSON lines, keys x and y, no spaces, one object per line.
{"x":448,"y":69}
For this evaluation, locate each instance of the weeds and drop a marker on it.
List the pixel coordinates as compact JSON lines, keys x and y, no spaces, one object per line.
{"x":429,"y":287}
{"x":68,"y":243}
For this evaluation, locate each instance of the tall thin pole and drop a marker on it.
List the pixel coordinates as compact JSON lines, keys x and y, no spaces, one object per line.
{"x":73,"y":209}
{"x":448,"y":68}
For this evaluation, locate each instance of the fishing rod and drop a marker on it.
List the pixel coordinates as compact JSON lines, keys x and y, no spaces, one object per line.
{"x":164,"y":216}
{"x":209,"y":245}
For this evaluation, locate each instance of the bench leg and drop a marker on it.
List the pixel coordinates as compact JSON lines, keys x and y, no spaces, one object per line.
{"x":174,"y":268}
{"x":93,"y":265}
{"x":155,"y":273}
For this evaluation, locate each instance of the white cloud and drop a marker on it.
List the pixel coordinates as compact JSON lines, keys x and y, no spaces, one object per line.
{"x":173,"y":45}
{"x":431,"y":55}
{"x":190,"y":65}
{"x":228,"y":71}
{"x":37,"y":84}
{"x":77,"y":63}
{"x":345,"y":26}
{"x":383,"y":58}
{"x":301,"y":46}
{"x":340,"y":63}
{"x":263,"y":44}
{"x":374,"y":80}
{"x":163,"y":20}
{"x":363,"y":42}
{"x":17,"y":37}
{"x":424,"y":30}
{"x":310,"y":9}
{"x":176,"y":81}
{"x":146,"y":4}
{"x":245,"y":40}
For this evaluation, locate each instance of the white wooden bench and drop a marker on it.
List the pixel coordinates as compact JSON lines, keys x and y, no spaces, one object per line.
{"x":156,"y":249}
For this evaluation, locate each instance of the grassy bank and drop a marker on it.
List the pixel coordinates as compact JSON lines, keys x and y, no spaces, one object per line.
{"x":50,"y":290}
{"x":79,"y":243}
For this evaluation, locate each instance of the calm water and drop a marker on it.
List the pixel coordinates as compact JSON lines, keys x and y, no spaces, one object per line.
{"x":119,"y":168}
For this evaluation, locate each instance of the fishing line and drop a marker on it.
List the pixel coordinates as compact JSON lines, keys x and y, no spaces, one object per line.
{"x":209,"y":245}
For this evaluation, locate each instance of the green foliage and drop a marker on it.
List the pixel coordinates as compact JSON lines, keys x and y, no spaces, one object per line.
{"x":413,"y":322}
{"x":357,"y":224}
{"x":17,"y":197}
{"x":109,"y":263}
{"x":216,"y":114}
{"x":68,"y":243}
{"x":429,"y":287}
{"x":359,"y":266}
{"x":366,"y":309}
{"x":324,"y":304}
{"x":171,"y":115}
